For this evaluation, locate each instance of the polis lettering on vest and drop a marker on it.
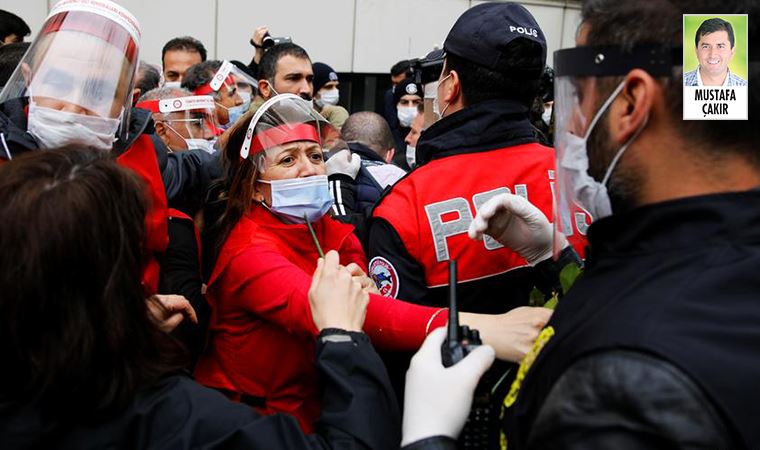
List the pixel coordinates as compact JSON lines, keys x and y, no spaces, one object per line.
{"x":443,"y":230}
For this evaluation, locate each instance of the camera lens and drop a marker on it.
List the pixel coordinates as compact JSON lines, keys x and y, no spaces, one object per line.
{"x":267,"y":42}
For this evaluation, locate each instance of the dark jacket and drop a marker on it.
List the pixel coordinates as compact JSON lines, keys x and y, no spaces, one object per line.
{"x":674,"y":285}
{"x":355,"y":198}
{"x":177,"y":413}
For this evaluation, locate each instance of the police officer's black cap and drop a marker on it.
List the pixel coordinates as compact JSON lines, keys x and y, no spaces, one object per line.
{"x":407,"y":87}
{"x":482,"y":34}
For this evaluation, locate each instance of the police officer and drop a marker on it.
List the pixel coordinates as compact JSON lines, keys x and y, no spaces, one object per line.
{"x":656,"y":345}
{"x":483,"y":145}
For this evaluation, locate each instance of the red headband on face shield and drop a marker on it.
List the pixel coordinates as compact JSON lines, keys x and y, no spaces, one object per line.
{"x":206,"y":89}
{"x":93,"y":25}
{"x":284,"y":134}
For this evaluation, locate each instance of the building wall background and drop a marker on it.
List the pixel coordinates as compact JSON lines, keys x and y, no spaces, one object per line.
{"x":360,"y":39}
{"x":360,"y":36}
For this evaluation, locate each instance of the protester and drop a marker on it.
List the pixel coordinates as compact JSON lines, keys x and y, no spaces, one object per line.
{"x":285,"y":68}
{"x":178,"y":55}
{"x":647,"y":349}
{"x":214,"y":78}
{"x":182,"y":121}
{"x":13,"y":29}
{"x":358,"y":176}
{"x":260,"y":341}
{"x":326,"y":94}
{"x":54,"y":101}
{"x":148,"y":78}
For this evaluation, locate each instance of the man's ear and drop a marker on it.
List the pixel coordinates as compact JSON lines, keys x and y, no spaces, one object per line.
{"x":162,"y":131}
{"x":453,"y":88}
{"x":136,"y":92}
{"x":389,"y":156}
{"x":264,"y":89}
{"x":634,"y":105}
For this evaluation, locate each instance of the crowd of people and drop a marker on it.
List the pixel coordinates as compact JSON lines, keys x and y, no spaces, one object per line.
{"x":217,"y":254}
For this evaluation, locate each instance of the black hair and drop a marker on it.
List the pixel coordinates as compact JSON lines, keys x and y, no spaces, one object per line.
{"x":148,"y":77}
{"x":12,"y":24}
{"x":370,"y":129}
{"x":75,"y":336}
{"x":10,"y":56}
{"x":520,"y":84}
{"x":200,"y":74}
{"x":268,"y":63}
{"x":400,"y":67}
{"x":713,"y":25}
{"x":184,"y":43}
{"x":612,"y":22}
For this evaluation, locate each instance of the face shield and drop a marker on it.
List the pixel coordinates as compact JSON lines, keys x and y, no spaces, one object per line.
{"x":191,"y":119}
{"x":587,"y":80}
{"x":82,"y":62}
{"x":229,"y":98}
{"x":283,"y":119}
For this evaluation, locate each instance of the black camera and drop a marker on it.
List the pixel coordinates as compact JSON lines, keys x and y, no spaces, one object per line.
{"x":270,"y":41}
{"x":428,"y":69}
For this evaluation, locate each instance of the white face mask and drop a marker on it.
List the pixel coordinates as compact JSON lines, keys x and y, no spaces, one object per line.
{"x":200,"y":144}
{"x":294,"y":197}
{"x":411,"y":156}
{"x":592,"y":194}
{"x":330,"y":97}
{"x":547,"y":115}
{"x":406,"y":115}
{"x":53,"y":128}
{"x":173,"y":84}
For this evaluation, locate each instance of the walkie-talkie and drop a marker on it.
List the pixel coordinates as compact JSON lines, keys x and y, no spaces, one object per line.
{"x":482,"y":430}
{"x":460,"y":340}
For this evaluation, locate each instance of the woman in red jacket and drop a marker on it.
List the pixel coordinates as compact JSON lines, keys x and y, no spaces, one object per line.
{"x":261,"y":334}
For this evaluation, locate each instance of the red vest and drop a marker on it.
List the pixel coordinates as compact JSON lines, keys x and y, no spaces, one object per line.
{"x":140,"y":157}
{"x":432,"y":208}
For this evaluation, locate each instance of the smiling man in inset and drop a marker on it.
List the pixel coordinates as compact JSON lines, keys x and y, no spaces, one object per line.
{"x":714,"y":43}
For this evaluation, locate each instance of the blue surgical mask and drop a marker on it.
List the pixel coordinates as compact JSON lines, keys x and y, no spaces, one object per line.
{"x":233,"y":113}
{"x":294,"y":197}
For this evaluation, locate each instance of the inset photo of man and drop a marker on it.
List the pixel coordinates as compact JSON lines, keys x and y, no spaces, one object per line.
{"x":715,"y":48}
{"x":715,"y":67}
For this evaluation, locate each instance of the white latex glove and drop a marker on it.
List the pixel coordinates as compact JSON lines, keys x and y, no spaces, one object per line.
{"x":517,"y":224}
{"x":438,"y":399}
{"x":344,"y":162}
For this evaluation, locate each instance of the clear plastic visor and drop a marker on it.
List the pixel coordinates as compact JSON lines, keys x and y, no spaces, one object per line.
{"x":85,"y":65}
{"x":577,"y":193}
{"x":281,"y":121}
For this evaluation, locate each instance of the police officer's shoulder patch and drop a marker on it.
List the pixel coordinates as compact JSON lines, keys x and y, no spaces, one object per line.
{"x":384,"y":275}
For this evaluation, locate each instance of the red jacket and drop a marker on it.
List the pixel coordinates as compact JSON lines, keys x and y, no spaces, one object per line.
{"x":141,"y":158}
{"x":261,"y":340}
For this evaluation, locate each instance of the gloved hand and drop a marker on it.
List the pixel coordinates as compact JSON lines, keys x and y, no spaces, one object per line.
{"x":517,"y":224}
{"x":438,"y":399}
{"x":344,"y":162}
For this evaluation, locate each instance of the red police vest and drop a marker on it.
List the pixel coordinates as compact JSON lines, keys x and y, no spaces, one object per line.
{"x":141,"y":158}
{"x":432,"y":208}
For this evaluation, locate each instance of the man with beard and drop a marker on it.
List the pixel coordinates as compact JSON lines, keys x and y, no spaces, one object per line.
{"x":653,"y":347}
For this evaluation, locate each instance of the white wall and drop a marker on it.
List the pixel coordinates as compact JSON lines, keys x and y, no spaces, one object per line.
{"x":364,"y":36}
